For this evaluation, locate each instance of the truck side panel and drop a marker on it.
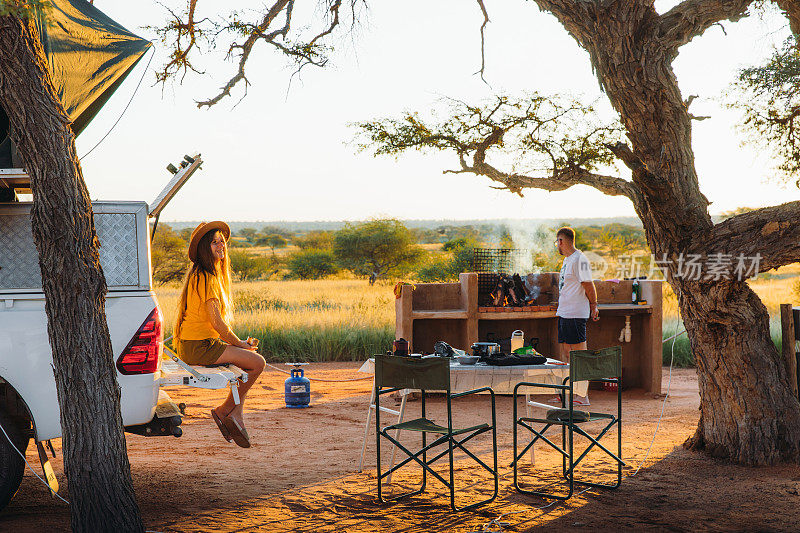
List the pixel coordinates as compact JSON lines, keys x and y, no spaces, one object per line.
{"x":26,"y":358}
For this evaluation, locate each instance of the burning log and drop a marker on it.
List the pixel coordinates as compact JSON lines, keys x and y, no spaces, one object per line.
{"x":510,"y":291}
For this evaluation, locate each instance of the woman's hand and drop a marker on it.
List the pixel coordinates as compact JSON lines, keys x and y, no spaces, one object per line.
{"x":252,"y":343}
{"x":246,"y":345}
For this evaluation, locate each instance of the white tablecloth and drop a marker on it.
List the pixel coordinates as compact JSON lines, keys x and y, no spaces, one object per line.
{"x":503,"y":379}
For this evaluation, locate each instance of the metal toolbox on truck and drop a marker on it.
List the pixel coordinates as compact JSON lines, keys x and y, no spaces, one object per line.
{"x":124,"y":247}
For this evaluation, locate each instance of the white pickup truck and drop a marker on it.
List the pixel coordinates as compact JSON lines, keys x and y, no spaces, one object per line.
{"x":28,"y":403}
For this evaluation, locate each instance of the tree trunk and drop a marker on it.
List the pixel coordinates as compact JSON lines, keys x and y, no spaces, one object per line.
{"x":95,"y":454}
{"x":747,"y":411}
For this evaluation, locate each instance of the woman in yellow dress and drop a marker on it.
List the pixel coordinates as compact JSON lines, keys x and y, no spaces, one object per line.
{"x":202,"y":328}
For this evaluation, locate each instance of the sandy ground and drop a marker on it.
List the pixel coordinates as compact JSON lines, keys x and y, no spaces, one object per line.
{"x":300,"y":474}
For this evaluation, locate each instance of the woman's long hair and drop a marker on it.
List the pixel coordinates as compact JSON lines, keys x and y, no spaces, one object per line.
{"x":212,"y":271}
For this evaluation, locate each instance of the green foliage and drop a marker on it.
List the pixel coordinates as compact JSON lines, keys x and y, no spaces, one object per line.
{"x":258,"y":301}
{"x":555,"y":134}
{"x":273,"y":241}
{"x":614,"y":235}
{"x":450,"y":232}
{"x":447,"y":267}
{"x":238,"y":242}
{"x":769,"y":98}
{"x":617,"y":244}
{"x":454,"y":244}
{"x":320,"y":343}
{"x":312,"y":264}
{"x":276,"y":230}
{"x":249,"y":234}
{"x":437,"y":270}
{"x":376,"y":248}
{"x":168,"y":255}
{"x":247,"y":266}
{"x":315,"y":240}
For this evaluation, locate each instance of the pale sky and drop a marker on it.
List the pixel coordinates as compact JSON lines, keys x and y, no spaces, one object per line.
{"x":279,"y":156}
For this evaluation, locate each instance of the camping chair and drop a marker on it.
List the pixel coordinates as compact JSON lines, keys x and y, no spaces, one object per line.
{"x":601,"y":365}
{"x":431,"y":374}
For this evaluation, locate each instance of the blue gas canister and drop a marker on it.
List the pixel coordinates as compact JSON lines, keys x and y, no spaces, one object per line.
{"x":297,"y":390}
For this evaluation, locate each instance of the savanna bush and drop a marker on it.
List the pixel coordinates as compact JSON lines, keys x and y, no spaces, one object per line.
{"x":312,"y":264}
{"x":247,"y":266}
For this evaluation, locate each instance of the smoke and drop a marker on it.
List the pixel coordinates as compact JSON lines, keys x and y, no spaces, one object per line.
{"x":532,"y":240}
{"x":532,"y":285}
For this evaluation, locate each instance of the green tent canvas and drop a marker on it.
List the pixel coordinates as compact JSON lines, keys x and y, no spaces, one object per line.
{"x":88,"y":55}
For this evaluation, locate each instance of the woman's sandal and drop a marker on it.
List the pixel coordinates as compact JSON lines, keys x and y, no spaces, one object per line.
{"x":221,"y":425}
{"x":238,"y":432}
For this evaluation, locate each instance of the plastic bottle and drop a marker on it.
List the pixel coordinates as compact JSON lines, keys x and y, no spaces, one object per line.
{"x":635,"y":291}
{"x":517,"y":340}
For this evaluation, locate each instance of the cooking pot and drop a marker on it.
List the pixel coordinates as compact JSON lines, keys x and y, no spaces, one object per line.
{"x":485,"y":349}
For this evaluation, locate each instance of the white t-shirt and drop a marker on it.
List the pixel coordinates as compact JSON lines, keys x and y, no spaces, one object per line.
{"x":572,"y":300}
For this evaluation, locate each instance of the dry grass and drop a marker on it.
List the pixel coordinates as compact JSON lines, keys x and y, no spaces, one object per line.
{"x":301,"y":304}
{"x":323,"y":320}
{"x":774,"y":288}
{"x":342,"y":319}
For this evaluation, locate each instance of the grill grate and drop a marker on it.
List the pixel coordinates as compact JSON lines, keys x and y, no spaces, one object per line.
{"x":496,"y":260}
{"x":487,"y":281}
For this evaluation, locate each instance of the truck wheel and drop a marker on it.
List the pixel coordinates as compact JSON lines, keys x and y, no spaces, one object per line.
{"x":12,"y":466}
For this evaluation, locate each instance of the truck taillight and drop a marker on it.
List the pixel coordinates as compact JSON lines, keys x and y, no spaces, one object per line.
{"x":143,"y":353}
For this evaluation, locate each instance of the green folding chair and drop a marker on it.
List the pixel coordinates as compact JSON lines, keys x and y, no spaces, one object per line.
{"x":430,"y":374}
{"x":603,"y":365}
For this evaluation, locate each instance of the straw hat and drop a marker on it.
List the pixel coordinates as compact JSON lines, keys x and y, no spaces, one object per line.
{"x":202,"y":229}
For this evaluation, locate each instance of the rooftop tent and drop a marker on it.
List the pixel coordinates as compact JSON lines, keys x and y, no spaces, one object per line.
{"x":88,"y":55}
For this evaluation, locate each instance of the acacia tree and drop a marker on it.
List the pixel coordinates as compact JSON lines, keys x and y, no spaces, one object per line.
{"x":95,"y":455}
{"x":747,"y":411}
{"x":376,"y":248}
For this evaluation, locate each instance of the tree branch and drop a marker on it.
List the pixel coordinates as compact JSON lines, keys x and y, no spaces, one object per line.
{"x":483,"y":41}
{"x":772,"y":232}
{"x":245,"y":48}
{"x":560,"y":180}
{"x":791,"y":8}
{"x":691,"y":18}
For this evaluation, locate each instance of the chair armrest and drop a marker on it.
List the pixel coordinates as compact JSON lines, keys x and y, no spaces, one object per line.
{"x":543,"y":385}
{"x":474,"y":391}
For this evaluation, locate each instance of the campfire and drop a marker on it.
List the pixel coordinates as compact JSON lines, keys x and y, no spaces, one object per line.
{"x":499,"y":292}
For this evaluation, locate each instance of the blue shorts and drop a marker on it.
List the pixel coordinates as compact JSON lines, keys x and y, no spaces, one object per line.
{"x":571,"y":330}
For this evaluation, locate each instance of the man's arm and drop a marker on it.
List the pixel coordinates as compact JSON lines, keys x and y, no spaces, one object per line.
{"x":591,"y":294}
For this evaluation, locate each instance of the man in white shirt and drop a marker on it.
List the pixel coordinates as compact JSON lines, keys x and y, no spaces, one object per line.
{"x":577,"y":298}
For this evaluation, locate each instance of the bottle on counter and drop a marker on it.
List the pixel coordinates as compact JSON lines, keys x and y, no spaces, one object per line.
{"x":635,"y":292}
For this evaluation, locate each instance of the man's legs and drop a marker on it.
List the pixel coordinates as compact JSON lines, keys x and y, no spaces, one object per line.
{"x":564,"y":356}
{"x":566,"y":348}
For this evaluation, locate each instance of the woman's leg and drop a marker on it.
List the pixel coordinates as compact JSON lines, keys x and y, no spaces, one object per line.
{"x":252,"y":363}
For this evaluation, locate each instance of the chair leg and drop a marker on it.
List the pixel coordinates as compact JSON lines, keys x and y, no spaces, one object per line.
{"x":495,"y":476}
{"x":617,"y":458}
{"x":528,"y":414}
{"x":397,"y":434}
{"x":566,"y":454}
{"x":424,"y":463}
{"x":366,"y":428}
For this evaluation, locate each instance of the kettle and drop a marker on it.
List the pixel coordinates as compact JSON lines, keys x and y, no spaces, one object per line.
{"x":517,"y":340}
{"x":401,"y":347}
